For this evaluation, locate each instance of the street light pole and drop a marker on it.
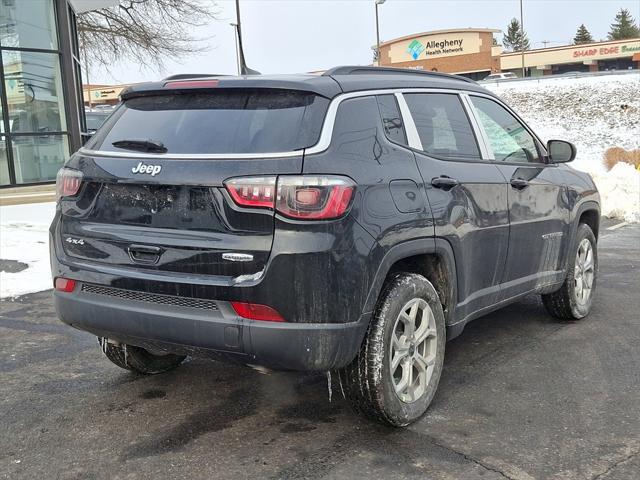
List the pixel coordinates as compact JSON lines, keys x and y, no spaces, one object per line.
{"x":522,"y":39}
{"x":235,"y":37}
{"x":378,"y":2}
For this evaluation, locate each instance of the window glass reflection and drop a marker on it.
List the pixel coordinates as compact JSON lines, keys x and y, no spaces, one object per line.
{"x":4,"y":163}
{"x":38,"y":159}
{"x":34,"y":92}
{"x":28,"y":24}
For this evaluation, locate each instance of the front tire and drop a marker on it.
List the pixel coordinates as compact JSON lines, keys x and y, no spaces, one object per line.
{"x":396,"y":373}
{"x":574,"y":299}
{"x":138,"y":359}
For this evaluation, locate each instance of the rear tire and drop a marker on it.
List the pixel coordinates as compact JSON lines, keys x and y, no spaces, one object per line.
{"x":574,"y":299}
{"x":138,"y":359}
{"x":401,"y":395}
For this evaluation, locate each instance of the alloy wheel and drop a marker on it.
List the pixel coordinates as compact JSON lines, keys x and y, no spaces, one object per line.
{"x":414,"y":342}
{"x":584,"y":272}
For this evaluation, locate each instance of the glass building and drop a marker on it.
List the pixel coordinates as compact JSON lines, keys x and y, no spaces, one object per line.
{"x":40,"y":87}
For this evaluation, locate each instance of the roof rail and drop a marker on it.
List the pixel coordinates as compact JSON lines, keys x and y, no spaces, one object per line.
{"x":360,"y":70}
{"x":185,"y":76}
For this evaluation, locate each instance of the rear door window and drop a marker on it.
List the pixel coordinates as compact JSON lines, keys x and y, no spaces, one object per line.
{"x":227,"y":121}
{"x":443,"y":126}
{"x":391,"y":119}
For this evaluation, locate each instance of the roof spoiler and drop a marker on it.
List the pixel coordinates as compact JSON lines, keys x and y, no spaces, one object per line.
{"x":360,"y":70}
{"x":187,"y":76}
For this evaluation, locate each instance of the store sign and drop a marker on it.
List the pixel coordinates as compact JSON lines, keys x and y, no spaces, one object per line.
{"x":104,"y":93}
{"x":435,"y":47}
{"x":606,"y":51}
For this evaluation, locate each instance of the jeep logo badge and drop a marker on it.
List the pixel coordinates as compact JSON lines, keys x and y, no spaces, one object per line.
{"x":153,"y":170}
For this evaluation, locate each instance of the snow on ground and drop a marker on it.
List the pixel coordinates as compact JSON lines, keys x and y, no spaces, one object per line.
{"x":24,"y":237}
{"x":595,"y":113}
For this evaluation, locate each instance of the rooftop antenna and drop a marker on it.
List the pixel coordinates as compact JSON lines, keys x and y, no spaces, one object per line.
{"x":244,"y":70}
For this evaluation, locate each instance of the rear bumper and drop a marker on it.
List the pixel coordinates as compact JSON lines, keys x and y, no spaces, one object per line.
{"x":216,"y":331}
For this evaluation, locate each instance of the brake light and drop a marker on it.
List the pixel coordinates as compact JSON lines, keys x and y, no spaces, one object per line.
{"x":64,"y":284}
{"x":314,"y":198}
{"x":299,"y":197}
{"x":255,"y":311}
{"x":68,"y":182}
{"x":192,"y":84}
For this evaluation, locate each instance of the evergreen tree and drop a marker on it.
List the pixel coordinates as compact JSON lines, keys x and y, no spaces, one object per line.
{"x":624,"y":26}
{"x":515,"y":39}
{"x":582,"y":36}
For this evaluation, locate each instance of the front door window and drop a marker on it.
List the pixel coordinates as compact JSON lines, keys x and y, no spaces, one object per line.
{"x":508,"y":138}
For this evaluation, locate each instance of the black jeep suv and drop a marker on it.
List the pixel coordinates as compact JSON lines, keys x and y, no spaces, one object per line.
{"x":347,"y":222}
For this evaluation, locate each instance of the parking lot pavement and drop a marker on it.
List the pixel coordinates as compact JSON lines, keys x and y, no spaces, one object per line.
{"x":522,"y":396}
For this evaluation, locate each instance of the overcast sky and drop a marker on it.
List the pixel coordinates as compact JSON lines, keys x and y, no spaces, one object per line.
{"x":287,"y":36}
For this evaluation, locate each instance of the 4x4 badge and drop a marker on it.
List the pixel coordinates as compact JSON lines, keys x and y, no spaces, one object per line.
{"x":153,"y":170}
{"x":75,"y":241}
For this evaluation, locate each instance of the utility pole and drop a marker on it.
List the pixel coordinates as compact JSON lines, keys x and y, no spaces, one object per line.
{"x":244,"y":70}
{"x":378,"y":2}
{"x":86,"y":79}
{"x":522,"y":38}
{"x":545,"y":43}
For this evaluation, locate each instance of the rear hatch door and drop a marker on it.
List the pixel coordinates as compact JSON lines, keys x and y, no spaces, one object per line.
{"x":153,"y":194}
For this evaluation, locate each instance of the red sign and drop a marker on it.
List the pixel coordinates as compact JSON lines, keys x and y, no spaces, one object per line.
{"x":590,"y":52}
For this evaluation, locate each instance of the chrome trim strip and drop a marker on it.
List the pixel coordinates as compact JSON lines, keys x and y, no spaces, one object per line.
{"x":483,"y":141}
{"x":409,"y":125}
{"x":189,"y":156}
{"x":330,"y":118}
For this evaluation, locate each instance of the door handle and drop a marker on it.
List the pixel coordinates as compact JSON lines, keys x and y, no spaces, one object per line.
{"x":519,"y":183}
{"x":444,"y":182}
{"x":144,"y":254}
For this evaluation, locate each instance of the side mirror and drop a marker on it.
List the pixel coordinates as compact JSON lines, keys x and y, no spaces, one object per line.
{"x":561,"y":151}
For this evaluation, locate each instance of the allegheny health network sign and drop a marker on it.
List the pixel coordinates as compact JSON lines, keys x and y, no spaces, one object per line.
{"x":430,"y":48}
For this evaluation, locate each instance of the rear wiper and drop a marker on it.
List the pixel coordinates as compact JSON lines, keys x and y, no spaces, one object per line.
{"x":141,"y":145}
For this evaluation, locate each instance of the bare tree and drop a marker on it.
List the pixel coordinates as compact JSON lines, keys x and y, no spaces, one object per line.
{"x":146,"y":32}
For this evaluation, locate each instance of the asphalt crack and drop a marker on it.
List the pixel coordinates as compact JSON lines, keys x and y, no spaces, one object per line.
{"x":617,"y":464}
{"x":471,"y":459}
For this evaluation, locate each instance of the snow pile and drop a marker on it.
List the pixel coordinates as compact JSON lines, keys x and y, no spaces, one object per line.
{"x":620,"y":191}
{"x":594,"y":113}
{"x":24,"y":237}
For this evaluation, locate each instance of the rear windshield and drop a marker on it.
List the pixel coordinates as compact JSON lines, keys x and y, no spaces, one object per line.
{"x":231,"y":121}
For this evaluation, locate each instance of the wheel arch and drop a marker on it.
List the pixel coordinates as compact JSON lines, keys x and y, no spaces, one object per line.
{"x":589,"y":215}
{"x":587,"y":212}
{"x":433,"y":258}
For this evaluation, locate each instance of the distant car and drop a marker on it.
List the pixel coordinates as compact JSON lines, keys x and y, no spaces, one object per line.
{"x":95,"y":120}
{"x":501,"y":76}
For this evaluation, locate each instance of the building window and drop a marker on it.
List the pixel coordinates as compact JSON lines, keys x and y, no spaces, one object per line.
{"x":34,"y":92}
{"x":34,"y":143}
{"x":28,"y":24}
{"x":4,"y":163}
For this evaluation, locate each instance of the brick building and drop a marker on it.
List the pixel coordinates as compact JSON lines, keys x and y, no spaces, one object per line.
{"x":471,"y":52}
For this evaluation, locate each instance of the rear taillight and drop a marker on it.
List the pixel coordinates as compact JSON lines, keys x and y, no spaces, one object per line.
{"x":68,"y":182}
{"x":64,"y":284}
{"x":257,"y":192}
{"x":314,"y":198}
{"x":256,"y":311}
{"x":301,"y":197}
